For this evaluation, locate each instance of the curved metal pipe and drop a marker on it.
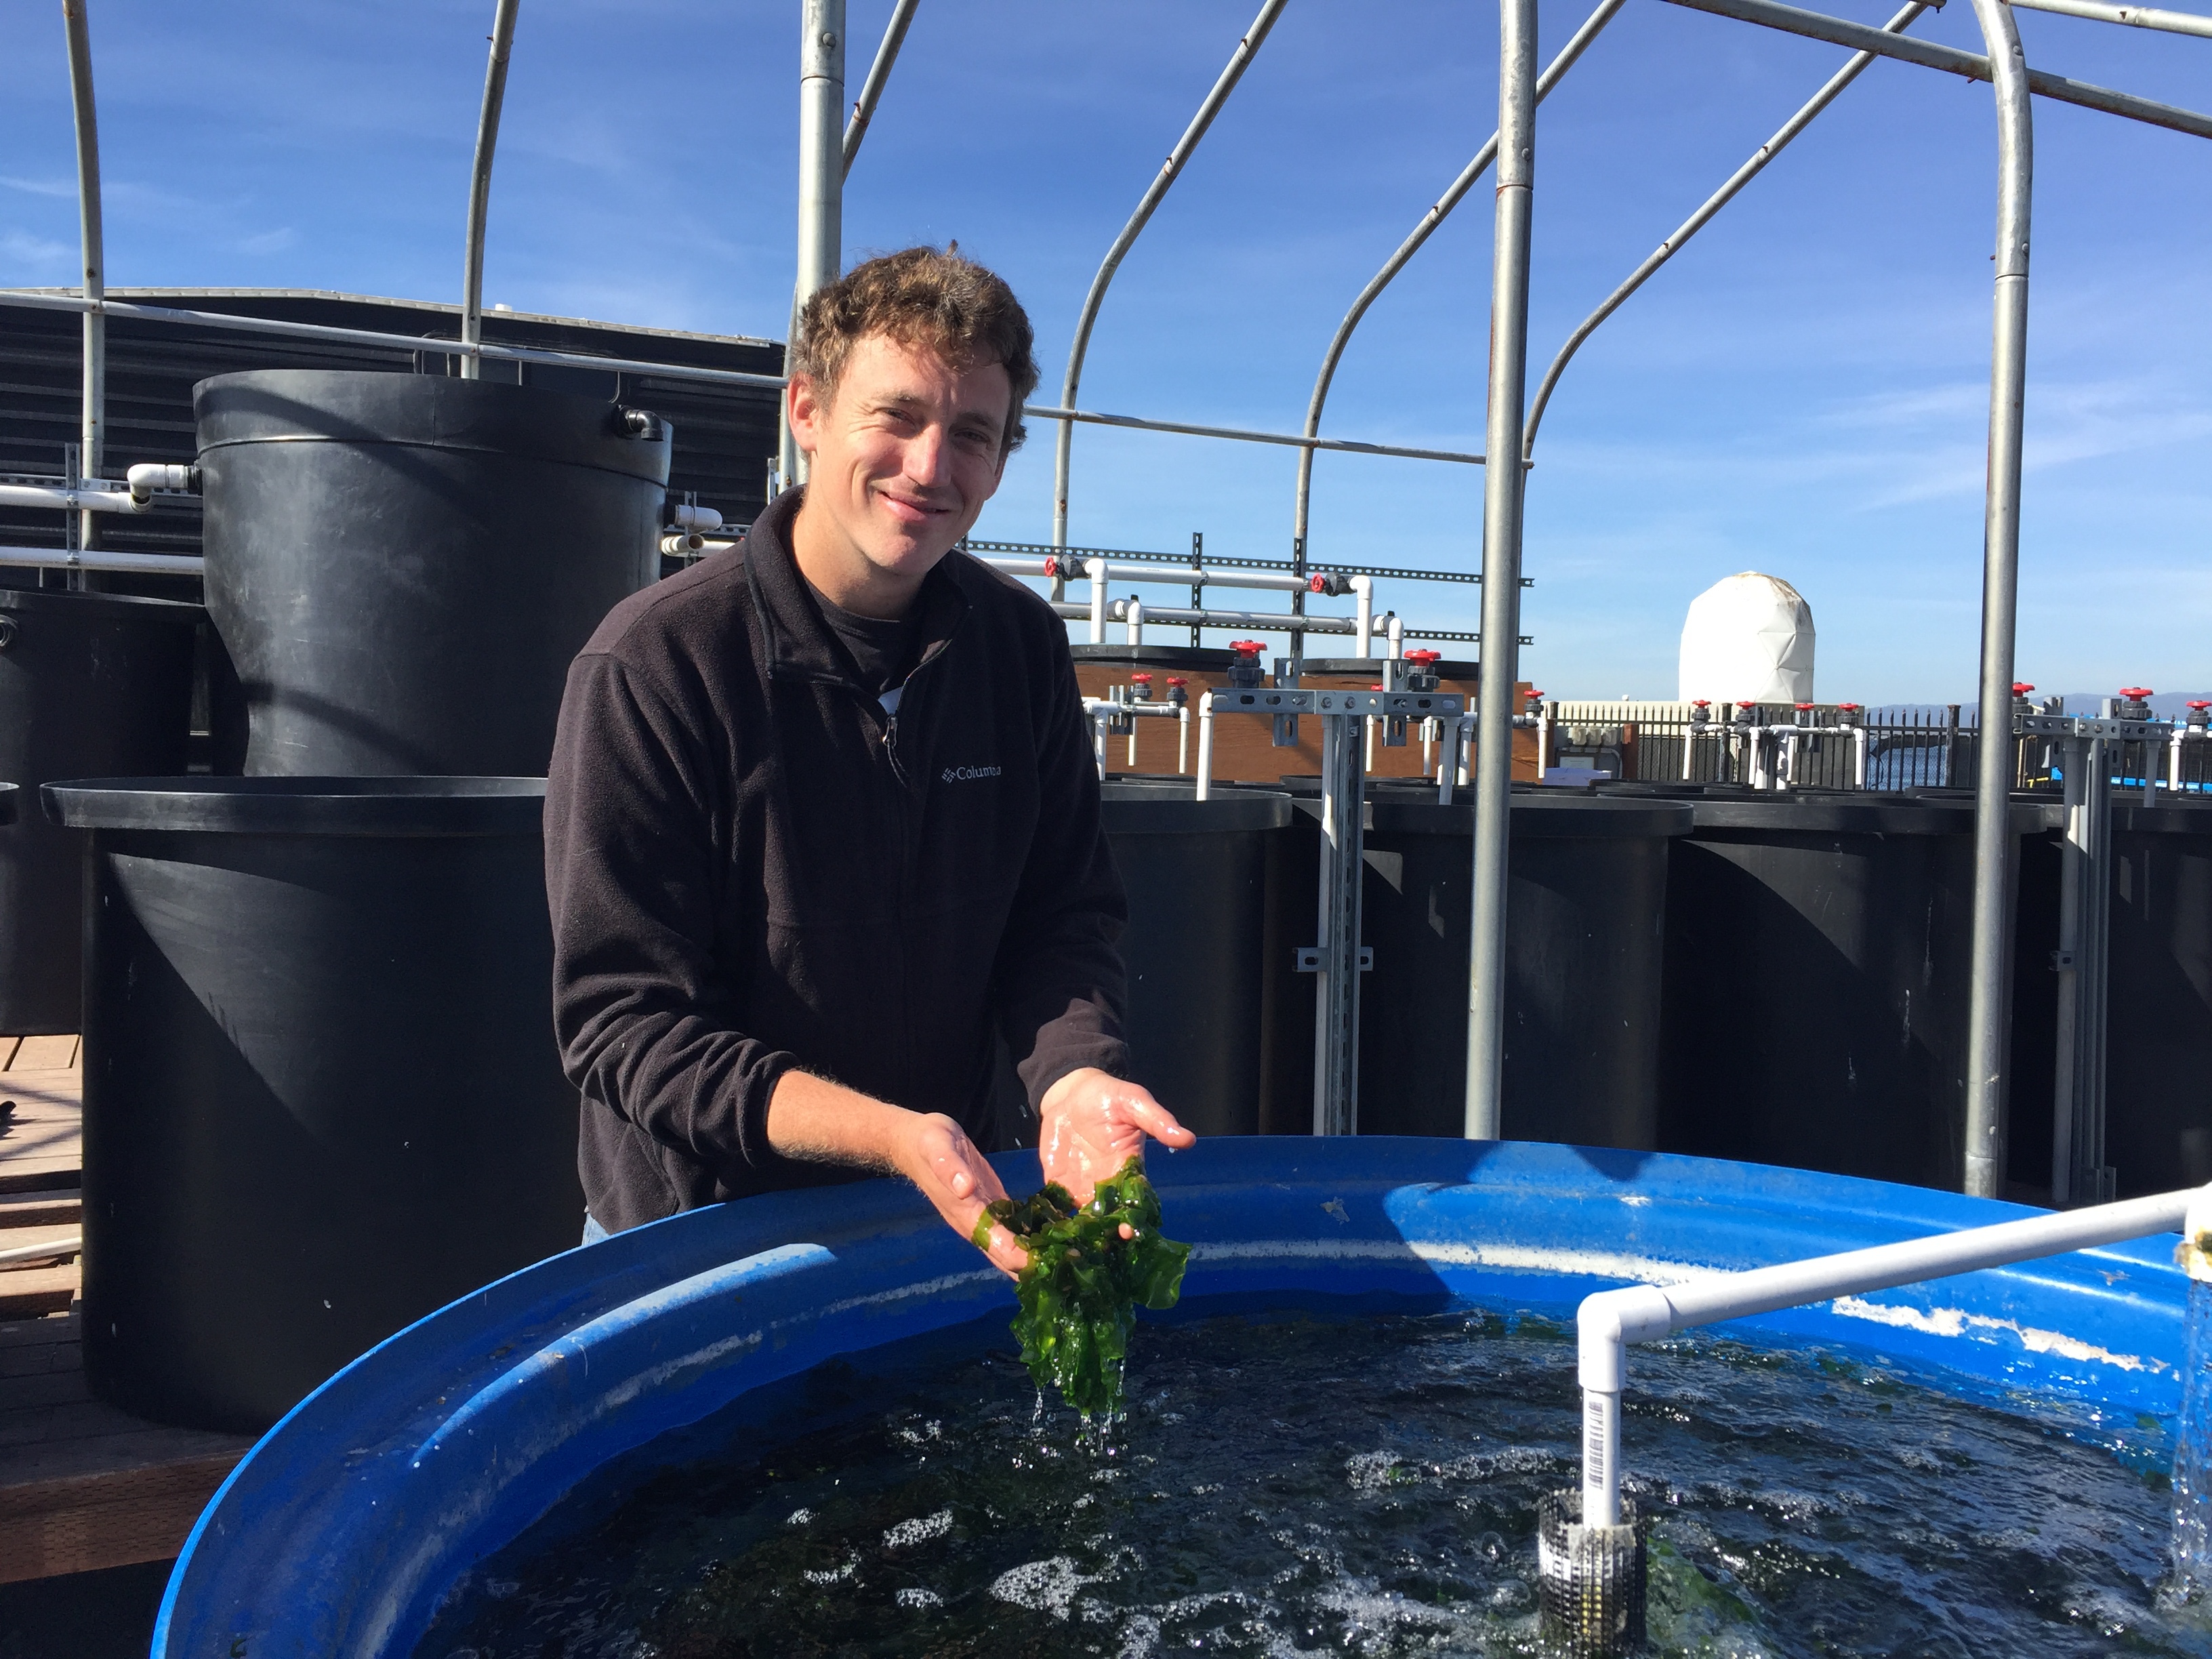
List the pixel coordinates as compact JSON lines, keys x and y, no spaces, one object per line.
{"x":871,"y":89}
{"x":1990,"y":982}
{"x":1502,"y":496}
{"x":1238,"y":61}
{"x":821,"y":186}
{"x":91,"y":432}
{"x":495,"y":94}
{"x":1697,"y":222}
{"x":1435,"y":216}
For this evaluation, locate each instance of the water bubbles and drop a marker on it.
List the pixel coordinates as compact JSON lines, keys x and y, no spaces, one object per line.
{"x":907,"y":1533}
{"x":914,"y":1598}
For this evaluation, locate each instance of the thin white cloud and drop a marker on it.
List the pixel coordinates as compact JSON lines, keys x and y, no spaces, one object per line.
{"x":269,"y":241}
{"x":66,"y":187}
{"x":21,"y":247}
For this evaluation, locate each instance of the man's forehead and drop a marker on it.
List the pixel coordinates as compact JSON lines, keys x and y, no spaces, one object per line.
{"x":915,"y":372}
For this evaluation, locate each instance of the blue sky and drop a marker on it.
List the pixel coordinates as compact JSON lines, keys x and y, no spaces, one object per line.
{"x":1804,"y":391}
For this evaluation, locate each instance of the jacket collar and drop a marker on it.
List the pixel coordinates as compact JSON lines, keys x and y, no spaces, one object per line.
{"x":800,"y":643}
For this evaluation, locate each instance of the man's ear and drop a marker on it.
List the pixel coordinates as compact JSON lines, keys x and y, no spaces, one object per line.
{"x":806,"y":412}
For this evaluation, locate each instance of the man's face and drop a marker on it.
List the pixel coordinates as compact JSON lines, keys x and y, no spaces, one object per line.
{"x":903,"y":459}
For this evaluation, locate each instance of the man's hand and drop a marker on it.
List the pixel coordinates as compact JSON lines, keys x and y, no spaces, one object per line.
{"x":938,"y":1157}
{"x":1093,"y":1123}
{"x":812,"y":1118}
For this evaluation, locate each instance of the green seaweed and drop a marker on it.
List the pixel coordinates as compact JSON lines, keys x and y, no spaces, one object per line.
{"x":1079,"y":1293}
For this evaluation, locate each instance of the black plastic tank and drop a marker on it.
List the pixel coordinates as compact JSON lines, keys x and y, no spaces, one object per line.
{"x":7,"y":793}
{"x":321,"y":1091}
{"x":2158,"y":1041}
{"x":91,"y":684}
{"x":402,"y":566}
{"x":1586,"y":892}
{"x":1817,"y":954}
{"x":1205,"y":881}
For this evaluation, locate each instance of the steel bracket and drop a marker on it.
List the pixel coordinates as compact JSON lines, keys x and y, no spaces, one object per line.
{"x":1310,"y":958}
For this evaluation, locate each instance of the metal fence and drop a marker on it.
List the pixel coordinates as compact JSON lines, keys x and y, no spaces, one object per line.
{"x":1837,"y":746}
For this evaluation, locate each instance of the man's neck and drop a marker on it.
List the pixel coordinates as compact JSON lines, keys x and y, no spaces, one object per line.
{"x":844,"y":575}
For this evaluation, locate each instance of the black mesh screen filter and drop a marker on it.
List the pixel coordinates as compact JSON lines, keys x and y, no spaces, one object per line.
{"x":1592,"y":1578}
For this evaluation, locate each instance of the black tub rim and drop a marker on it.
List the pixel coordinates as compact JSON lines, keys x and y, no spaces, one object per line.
{"x":1169,"y":809}
{"x":429,"y":411}
{"x":9,"y":792}
{"x":1574,"y":818}
{"x":1831,"y":816}
{"x":180,"y":612}
{"x":366,"y":806}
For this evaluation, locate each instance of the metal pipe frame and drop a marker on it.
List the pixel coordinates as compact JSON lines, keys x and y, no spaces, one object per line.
{"x":1720,"y":198}
{"x":1816,"y":26}
{"x":2141,"y":17}
{"x":1989,"y":960}
{"x":879,"y":74}
{"x":1343,"y":868}
{"x":1577,"y":43}
{"x":495,"y":97}
{"x":820,"y":184}
{"x":1503,"y":496}
{"x":2078,"y":1170}
{"x":1348,"y":445}
{"x":1609,"y":1320}
{"x":1247,"y":48}
{"x":91,"y":432}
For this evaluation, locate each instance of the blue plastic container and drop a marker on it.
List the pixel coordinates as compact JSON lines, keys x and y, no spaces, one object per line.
{"x":343,"y":1527}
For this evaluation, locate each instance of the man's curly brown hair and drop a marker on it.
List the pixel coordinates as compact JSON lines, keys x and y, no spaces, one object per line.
{"x":922,"y":297}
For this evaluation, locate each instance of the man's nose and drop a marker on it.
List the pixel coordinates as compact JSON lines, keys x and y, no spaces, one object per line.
{"x":928,"y":459}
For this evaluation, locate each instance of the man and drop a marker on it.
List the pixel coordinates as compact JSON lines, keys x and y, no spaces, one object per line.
{"x":821,"y":828}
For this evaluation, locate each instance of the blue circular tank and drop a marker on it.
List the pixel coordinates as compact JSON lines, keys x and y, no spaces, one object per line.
{"x":344,"y":1526}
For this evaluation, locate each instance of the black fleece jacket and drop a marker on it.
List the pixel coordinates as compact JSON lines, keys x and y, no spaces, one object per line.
{"x":752,"y":867}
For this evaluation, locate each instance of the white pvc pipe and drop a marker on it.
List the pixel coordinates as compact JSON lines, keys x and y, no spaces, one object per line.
{"x":1204,"y":791}
{"x":1133,"y":614}
{"x":1097,"y":570}
{"x":149,"y":479}
{"x":1182,"y":739}
{"x":141,"y":564}
{"x":73,"y":1245}
{"x":69,"y":500}
{"x":1363,"y":589}
{"x":1610,"y":1320}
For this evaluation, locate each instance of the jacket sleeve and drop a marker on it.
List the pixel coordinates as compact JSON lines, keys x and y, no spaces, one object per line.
{"x":646,"y":1024}
{"x":1060,"y":985}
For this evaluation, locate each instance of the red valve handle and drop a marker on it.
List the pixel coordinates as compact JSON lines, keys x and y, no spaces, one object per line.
{"x":1803,"y":706}
{"x":1248,"y":647}
{"x":2137,"y":692}
{"x":1142,"y":679}
{"x":1317,"y":583}
{"x":1701,"y":702}
{"x":2021,"y":688}
{"x":1177,"y":679}
{"x":2198,"y":703}
{"x":1746,"y":703}
{"x":1850,"y":708}
{"x":1424,"y":657}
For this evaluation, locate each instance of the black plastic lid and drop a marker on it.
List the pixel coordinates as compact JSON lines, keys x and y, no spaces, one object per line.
{"x":1167,"y":808}
{"x":302,"y":806}
{"x":8,"y":791}
{"x":368,"y":406}
{"x":128,"y":607}
{"x":1534,"y":816}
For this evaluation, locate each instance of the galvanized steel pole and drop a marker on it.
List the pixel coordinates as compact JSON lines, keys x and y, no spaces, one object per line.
{"x":880,"y":72}
{"x":1172,"y":169}
{"x":495,"y":96}
{"x":91,"y":439}
{"x":1988,"y":982}
{"x":1720,"y":198}
{"x":1502,"y":496}
{"x":1577,"y":43}
{"x":821,"y":169}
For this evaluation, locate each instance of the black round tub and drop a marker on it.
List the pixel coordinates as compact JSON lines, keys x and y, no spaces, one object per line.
{"x":321,"y":1093}
{"x":402,"y":566}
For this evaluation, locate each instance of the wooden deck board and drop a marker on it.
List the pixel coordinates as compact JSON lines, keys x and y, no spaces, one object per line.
{"x":82,"y":1485}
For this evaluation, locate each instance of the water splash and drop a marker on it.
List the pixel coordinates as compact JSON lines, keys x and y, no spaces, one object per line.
{"x":2192,"y":1455}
